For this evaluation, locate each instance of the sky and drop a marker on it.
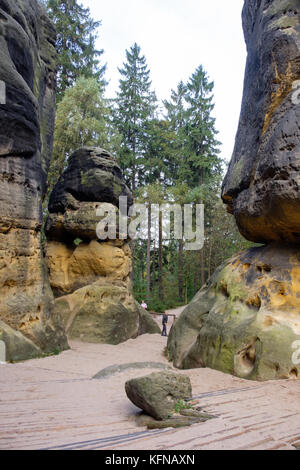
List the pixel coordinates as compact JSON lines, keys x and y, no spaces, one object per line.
{"x":176,"y":36}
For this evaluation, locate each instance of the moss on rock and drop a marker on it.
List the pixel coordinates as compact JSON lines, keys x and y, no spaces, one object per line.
{"x":246,"y":319}
{"x":158,"y":393}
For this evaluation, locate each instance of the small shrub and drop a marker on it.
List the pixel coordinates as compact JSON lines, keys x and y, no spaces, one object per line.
{"x":182,"y":405}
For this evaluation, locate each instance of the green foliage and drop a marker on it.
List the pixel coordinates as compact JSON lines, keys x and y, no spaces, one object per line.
{"x":158,"y":163}
{"x":181,"y":405}
{"x":76,"y":36}
{"x":180,"y":165}
{"x":82,"y":119}
{"x":195,"y":147}
{"x":134,"y":108}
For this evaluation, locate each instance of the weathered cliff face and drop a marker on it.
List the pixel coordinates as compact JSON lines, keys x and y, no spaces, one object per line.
{"x":91,"y":278}
{"x":27,"y":67}
{"x":246,"y":320}
{"x":262,"y":186}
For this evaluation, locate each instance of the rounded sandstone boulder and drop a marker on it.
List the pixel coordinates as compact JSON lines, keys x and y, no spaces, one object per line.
{"x":158,"y":393}
{"x":246,"y":320}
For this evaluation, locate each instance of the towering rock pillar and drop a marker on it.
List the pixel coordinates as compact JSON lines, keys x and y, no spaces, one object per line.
{"x":246,"y":321}
{"x":262,"y":186}
{"x":27,"y":113}
{"x":91,"y":277}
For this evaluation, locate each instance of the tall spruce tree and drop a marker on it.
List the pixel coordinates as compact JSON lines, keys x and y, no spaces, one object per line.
{"x":201,"y":144}
{"x":176,"y":115}
{"x":198,"y":167}
{"x":134,"y":108}
{"x":76,"y":37}
{"x":202,"y":151}
{"x":159,"y":162}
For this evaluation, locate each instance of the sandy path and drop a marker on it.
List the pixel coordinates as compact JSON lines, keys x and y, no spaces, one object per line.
{"x":55,"y":403}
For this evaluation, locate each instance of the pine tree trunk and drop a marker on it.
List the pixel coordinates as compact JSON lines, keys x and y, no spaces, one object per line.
{"x":149,"y":254}
{"x":180,"y":270}
{"x":134,"y":163}
{"x":209,"y":258}
{"x":133,"y":189}
{"x":133,"y":179}
{"x":160,"y":260}
{"x":202,"y":253}
{"x":196,"y":272}
{"x":202,"y":266}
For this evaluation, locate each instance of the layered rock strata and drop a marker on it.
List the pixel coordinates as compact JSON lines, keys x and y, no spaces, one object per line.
{"x":91,"y":277}
{"x":27,"y":113}
{"x":262,"y":186}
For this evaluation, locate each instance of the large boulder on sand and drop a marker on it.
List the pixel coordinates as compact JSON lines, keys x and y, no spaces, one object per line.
{"x":158,"y":393}
{"x":17,"y":346}
{"x":102,"y":312}
{"x":147,"y":324}
{"x":28,"y":70}
{"x":246,"y":320}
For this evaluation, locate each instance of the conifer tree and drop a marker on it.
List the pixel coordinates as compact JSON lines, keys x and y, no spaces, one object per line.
{"x":134,"y":108}
{"x":176,"y":115}
{"x":202,"y":151}
{"x":76,"y":36}
{"x":201,"y":144}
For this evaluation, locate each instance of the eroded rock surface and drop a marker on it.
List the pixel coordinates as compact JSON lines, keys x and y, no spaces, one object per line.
{"x":246,"y":320}
{"x":147,"y":324}
{"x":27,"y":67}
{"x":17,"y":346}
{"x":262,"y":186}
{"x":90,"y":277}
{"x":158,"y":393}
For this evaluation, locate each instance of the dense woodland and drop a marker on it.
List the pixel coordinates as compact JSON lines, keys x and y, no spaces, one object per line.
{"x":168,"y":152}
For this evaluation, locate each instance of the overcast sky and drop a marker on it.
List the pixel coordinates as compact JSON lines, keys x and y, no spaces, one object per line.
{"x":176,"y":36}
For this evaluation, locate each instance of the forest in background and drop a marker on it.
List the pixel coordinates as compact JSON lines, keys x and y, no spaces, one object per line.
{"x":168,"y":151}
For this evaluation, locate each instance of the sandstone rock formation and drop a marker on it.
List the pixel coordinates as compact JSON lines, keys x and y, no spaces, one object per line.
{"x":16,"y":346}
{"x":146,"y":323}
{"x":91,"y":278}
{"x":158,"y":393}
{"x":246,"y":320}
{"x":27,"y":67}
{"x":262,"y":186}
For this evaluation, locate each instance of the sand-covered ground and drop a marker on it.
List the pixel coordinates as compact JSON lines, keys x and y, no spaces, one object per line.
{"x":55,"y":403}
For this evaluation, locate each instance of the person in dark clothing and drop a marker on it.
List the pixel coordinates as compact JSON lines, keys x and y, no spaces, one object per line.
{"x":164,"y":324}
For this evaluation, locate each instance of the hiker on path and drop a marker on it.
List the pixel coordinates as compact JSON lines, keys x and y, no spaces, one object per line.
{"x":144,"y":305}
{"x":164,"y":324}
